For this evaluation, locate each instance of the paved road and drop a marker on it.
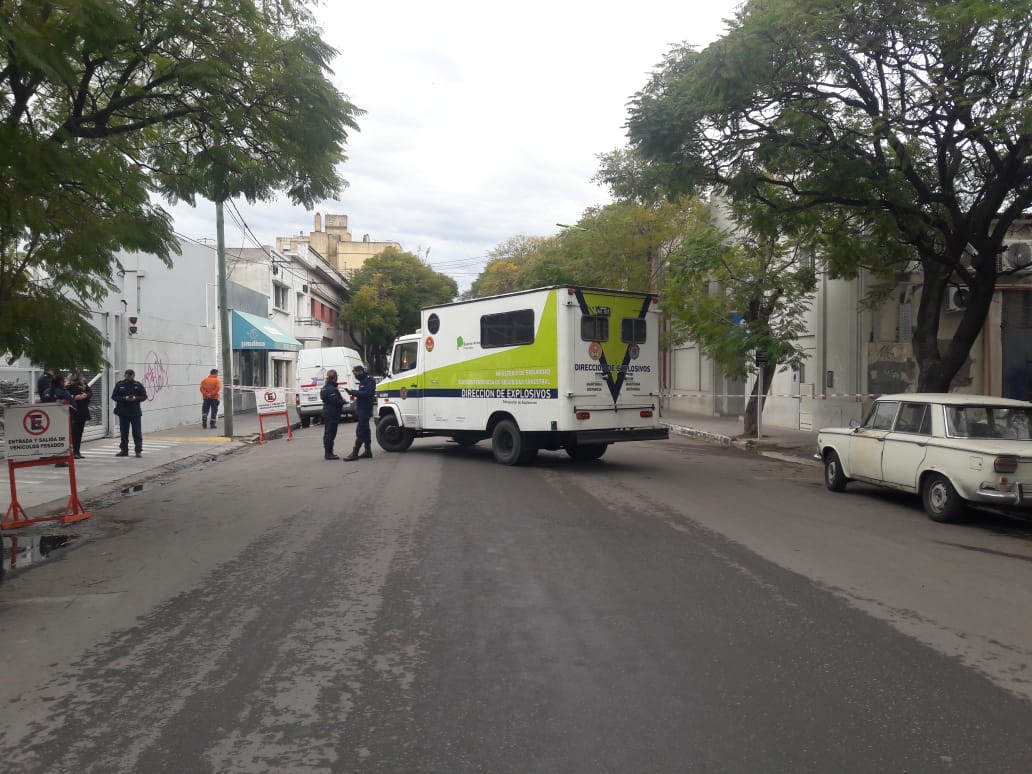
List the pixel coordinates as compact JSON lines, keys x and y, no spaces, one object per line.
{"x":675,"y":607}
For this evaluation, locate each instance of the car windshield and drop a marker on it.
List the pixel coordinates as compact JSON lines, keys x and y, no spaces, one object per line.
{"x":989,"y":422}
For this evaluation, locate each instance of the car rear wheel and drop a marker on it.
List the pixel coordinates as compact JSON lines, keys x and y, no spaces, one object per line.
{"x":306,"y":421}
{"x":940,"y":498}
{"x":391,"y":436}
{"x":834,"y":479}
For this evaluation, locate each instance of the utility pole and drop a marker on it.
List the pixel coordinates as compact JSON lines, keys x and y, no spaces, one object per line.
{"x":227,"y":351}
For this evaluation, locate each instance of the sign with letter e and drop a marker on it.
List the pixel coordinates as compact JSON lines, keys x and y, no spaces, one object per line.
{"x":37,"y":431}
{"x":270,"y":400}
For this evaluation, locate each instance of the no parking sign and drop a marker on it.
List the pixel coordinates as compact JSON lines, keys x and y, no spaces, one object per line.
{"x":271,"y":400}
{"x":37,"y":431}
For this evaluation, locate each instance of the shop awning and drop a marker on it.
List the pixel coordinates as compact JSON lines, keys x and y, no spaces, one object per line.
{"x":251,"y":332}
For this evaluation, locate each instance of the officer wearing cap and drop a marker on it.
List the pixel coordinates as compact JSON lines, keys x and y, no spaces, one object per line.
{"x":365,"y":397}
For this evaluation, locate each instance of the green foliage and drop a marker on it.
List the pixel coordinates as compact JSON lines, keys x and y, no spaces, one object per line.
{"x":714,"y":277}
{"x":372,"y":312}
{"x":506,"y":262}
{"x":104,"y":103}
{"x":882,"y":132}
{"x":407,"y":283}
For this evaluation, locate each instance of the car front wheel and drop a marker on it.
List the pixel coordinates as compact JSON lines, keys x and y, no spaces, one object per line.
{"x":834,"y":478}
{"x":940,"y":498}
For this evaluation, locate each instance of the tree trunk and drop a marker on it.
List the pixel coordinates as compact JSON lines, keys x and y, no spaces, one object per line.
{"x":936,"y":367}
{"x":750,"y":408}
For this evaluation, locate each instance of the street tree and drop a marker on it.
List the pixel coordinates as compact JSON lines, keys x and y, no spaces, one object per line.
{"x":372,"y":313}
{"x":742,"y":297}
{"x":505,"y":263}
{"x":107,"y":103}
{"x":406,"y":283}
{"x":907,"y":124}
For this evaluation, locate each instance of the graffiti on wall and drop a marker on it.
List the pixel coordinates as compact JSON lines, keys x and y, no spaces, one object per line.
{"x":155,"y":374}
{"x":891,"y":368}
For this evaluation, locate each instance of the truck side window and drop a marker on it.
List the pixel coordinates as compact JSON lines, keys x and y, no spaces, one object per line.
{"x":632,"y":330}
{"x":405,"y":357}
{"x":507,"y":329}
{"x":594,"y":328}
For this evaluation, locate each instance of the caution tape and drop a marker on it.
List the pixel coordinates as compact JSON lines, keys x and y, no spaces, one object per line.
{"x":815,"y":396}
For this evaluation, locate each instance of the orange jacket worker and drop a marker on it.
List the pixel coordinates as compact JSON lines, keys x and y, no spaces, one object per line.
{"x":211,"y":389}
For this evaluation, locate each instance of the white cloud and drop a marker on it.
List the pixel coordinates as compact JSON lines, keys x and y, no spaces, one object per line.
{"x":483,"y":121}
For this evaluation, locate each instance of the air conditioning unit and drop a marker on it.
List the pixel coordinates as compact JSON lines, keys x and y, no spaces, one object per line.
{"x":1018,"y":256}
{"x":956,"y":299}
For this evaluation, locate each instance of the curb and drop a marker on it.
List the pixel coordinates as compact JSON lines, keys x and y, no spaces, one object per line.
{"x":729,"y":441}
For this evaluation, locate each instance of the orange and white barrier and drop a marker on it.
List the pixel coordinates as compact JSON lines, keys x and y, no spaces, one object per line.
{"x":36,"y":435}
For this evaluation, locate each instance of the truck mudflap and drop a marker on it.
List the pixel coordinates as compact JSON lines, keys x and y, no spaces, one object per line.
{"x":616,"y":435}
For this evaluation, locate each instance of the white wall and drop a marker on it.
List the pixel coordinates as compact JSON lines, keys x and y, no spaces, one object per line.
{"x":176,"y":344}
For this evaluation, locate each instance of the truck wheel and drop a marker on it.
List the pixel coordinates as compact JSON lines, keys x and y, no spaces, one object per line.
{"x":391,"y":437}
{"x":941,"y":501}
{"x":509,"y":446}
{"x":587,"y":451}
{"x":834,"y":479}
{"x":306,"y":421}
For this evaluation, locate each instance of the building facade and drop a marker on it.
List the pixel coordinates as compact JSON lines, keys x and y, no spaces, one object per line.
{"x":855,"y":352}
{"x":334,"y":243}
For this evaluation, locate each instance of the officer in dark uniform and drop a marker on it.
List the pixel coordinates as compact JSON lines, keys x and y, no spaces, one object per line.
{"x":128,"y":395}
{"x":365,"y":397}
{"x":332,"y":408}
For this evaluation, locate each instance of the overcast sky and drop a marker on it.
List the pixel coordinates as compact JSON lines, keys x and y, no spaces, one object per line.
{"x":484,"y":120}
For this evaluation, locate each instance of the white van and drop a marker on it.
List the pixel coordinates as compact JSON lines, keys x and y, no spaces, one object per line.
{"x":312,"y":365}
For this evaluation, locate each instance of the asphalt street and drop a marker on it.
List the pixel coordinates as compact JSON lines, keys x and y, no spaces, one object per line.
{"x":673,"y":607}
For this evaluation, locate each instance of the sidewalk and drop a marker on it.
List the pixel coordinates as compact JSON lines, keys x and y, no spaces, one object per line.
{"x":44,"y":490}
{"x":797,"y":446}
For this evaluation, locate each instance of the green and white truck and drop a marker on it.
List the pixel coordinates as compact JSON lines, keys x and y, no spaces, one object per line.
{"x":553,"y":368}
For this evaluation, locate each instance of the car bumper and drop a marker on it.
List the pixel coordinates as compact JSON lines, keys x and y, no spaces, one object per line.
{"x":1016,"y":495}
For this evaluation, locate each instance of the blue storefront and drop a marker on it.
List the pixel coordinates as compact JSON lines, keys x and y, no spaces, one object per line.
{"x":263,"y":355}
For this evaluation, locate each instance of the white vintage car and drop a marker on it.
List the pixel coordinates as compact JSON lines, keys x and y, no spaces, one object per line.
{"x":952,"y":449}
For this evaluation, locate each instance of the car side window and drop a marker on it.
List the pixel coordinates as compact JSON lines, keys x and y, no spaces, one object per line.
{"x":914,"y":418}
{"x":882,"y":415}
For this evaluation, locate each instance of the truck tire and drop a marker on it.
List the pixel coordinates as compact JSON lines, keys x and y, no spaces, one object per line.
{"x":391,"y":437}
{"x":587,"y":451}
{"x":509,"y":445}
{"x":306,"y":421}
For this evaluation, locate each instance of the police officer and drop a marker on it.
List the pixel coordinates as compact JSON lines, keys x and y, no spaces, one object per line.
{"x":364,"y":397}
{"x":128,"y":395}
{"x":332,"y":408}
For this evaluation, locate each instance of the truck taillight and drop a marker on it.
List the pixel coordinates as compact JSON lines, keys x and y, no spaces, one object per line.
{"x":583,"y":415}
{"x":646,"y":413}
{"x":1005,"y":464}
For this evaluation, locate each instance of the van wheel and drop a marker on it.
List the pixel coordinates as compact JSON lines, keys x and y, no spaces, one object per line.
{"x":587,"y":451}
{"x":306,"y":421}
{"x":391,"y":437}
{"x":941,"y":501}
{"x":509,"y":445}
